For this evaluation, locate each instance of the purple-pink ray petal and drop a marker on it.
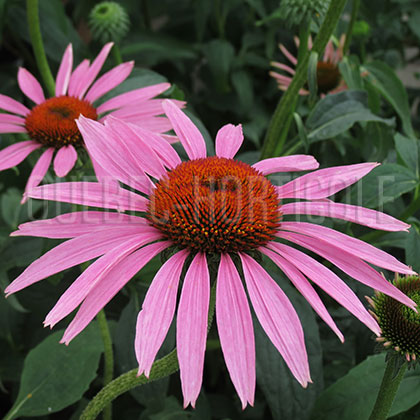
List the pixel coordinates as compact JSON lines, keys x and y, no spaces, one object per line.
{"x":11,"y":105}
{"x":109,"y":286}
{"x":351,"y":265}
{"x":289,"y":56}
{"x":90,"y":277}
{"x":76,"y":77}
{"x":355,"y":214}
{"x":65,"y":160}
{"x":11,"y":119}
{"x":305,"y":288}
{"x":228,"y":140}
{"x":157,"y":311}
{"x":236,"y":333}
{"x":30,"y":86}
{"x":189,"y":135}
{"x":39,"y":171}
{"x":277,"y":317}
{"x":283,"y":67}
{"x":16,"y":153}
{"x":109,"y":80}
{"x":324,"y":182}
{"x":191,"y":327}
{"x":73,"y":252}
{"x":141,"y":94}
{"x":94,"y":194}
{"x":286,"y":164}
{"x":328,"y":281}
{"x":11,"y":128}
{"x":64,"y":72}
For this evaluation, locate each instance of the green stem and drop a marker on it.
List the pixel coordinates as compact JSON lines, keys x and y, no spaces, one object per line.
{"x":349,"y":32}
{"x":303,"y":40}
{"x":282,"y":117}
{"x":146,"y":14}
{"x":388,"y":390}
{"x":116,"y":53}
{"x":38,"y":46}
{"x":109,"y":357}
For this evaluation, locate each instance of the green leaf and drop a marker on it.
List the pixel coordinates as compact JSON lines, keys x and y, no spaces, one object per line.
{"x":408,"y":150}
{"x":312,"y":75}
{"x":390,"y":86}
{"x":301,"y":130}
{"x":350,"y":70}
{"x":384,"y":184}
{"x":55,"y":376}
{"x":335,"y":114}
{"x":412,"y":248}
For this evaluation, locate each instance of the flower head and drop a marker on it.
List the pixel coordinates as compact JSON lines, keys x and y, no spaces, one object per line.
{"x":50,"y":123}
{"x":205,"y":206}
{"x":328,"y":75}
{"x":296,"y":12}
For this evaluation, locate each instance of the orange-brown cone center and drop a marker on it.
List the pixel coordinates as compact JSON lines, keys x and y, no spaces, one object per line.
{"x":52,"y":122}
{"x":328,"y":76}
{"x":215,"y":205}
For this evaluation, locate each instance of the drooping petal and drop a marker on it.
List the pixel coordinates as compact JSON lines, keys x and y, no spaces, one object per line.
{"x":109,"y":80}
{"x":72,"y":252}
{"x":289,"y":56}
{"x":191,"y":327}
{"x":236,"y":333}
{"x":64,"y":160}
{"x":12,"y":128}
{"x":277,"y":317}
{"x":324,"y":182}
{"x":351,"y":265}
{"x":109,"y":286}
{"x":16,"y":153}
{"x":109,"y":151}
{"x":94,"y":194}
{"x":154,"y":124}
{"x":90,"y":277}
{"x":284,"y":67}
{"x":286,"y":164}
{"x":141,"y":94}
{"x":188,"y":133}
{"x":305,"y":288}
{"x":327,"y":281}
{"x":228,"y":140}
{"x":10,"y":105}
{"x":157,"y":312}
{"x":77,"y":76}
{"x":11,"y":119}
{"x":355,"y":214}
{"x":39,"y":170}
{"x":64,"y":72}
{"x":30,"y":86}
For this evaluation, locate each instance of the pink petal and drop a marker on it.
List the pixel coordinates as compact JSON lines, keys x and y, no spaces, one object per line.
{"x":355,"y":214}
{"x":290,"y":57}
{"x":284,"y":67}
{"x":188,"y":133}
{"x":157,"y":312}
{"x":90,"y":277}
{"x":236,"y":333}
{"x":16,"y":153}
{"x":39,"y":170}
{"x":72,"y":252}
{"x":77,"y":77}
{"x":110,"y":285}
{"x":154,"y":124}
{"x":286,"y":164}
{"x":305,"y":288}
{"x":327,"y":281}
{"x":191,"y":327}
{"x":13,"y":119}
{"x":228,"y":140}
{"x":10,"y":105}
{"x":277,"y":317}
{"x":74,"y":224}
{"x":142,"y":94}
{"x":109,"y":80}
{"x":93,"y":194}
{"x":351,"y":265}
{"x":64,"y":72}
{"x":324,"y":182}
{"x":64,"y":160}
{"x":87,"y":78}
{"x":143,"y":110}
{"x":11,"y":128}
{"x":30,"y":86}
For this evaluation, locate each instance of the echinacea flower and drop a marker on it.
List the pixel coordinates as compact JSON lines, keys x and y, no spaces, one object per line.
{"x":51,"y":125}
{"x":205,"y":207}
{"x":328,"y":75}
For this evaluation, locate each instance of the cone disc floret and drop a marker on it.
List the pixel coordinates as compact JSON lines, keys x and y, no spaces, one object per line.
{"x":52,"y":122}
{"x":215,"y":205}
{"x":328,"y":76}
{"x":400,"y":325}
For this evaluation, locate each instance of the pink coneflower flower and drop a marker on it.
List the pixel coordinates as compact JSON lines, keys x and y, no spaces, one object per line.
{"x":51,"y":125}
{"x":207,"y":207}
{"x":328,"y":75}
